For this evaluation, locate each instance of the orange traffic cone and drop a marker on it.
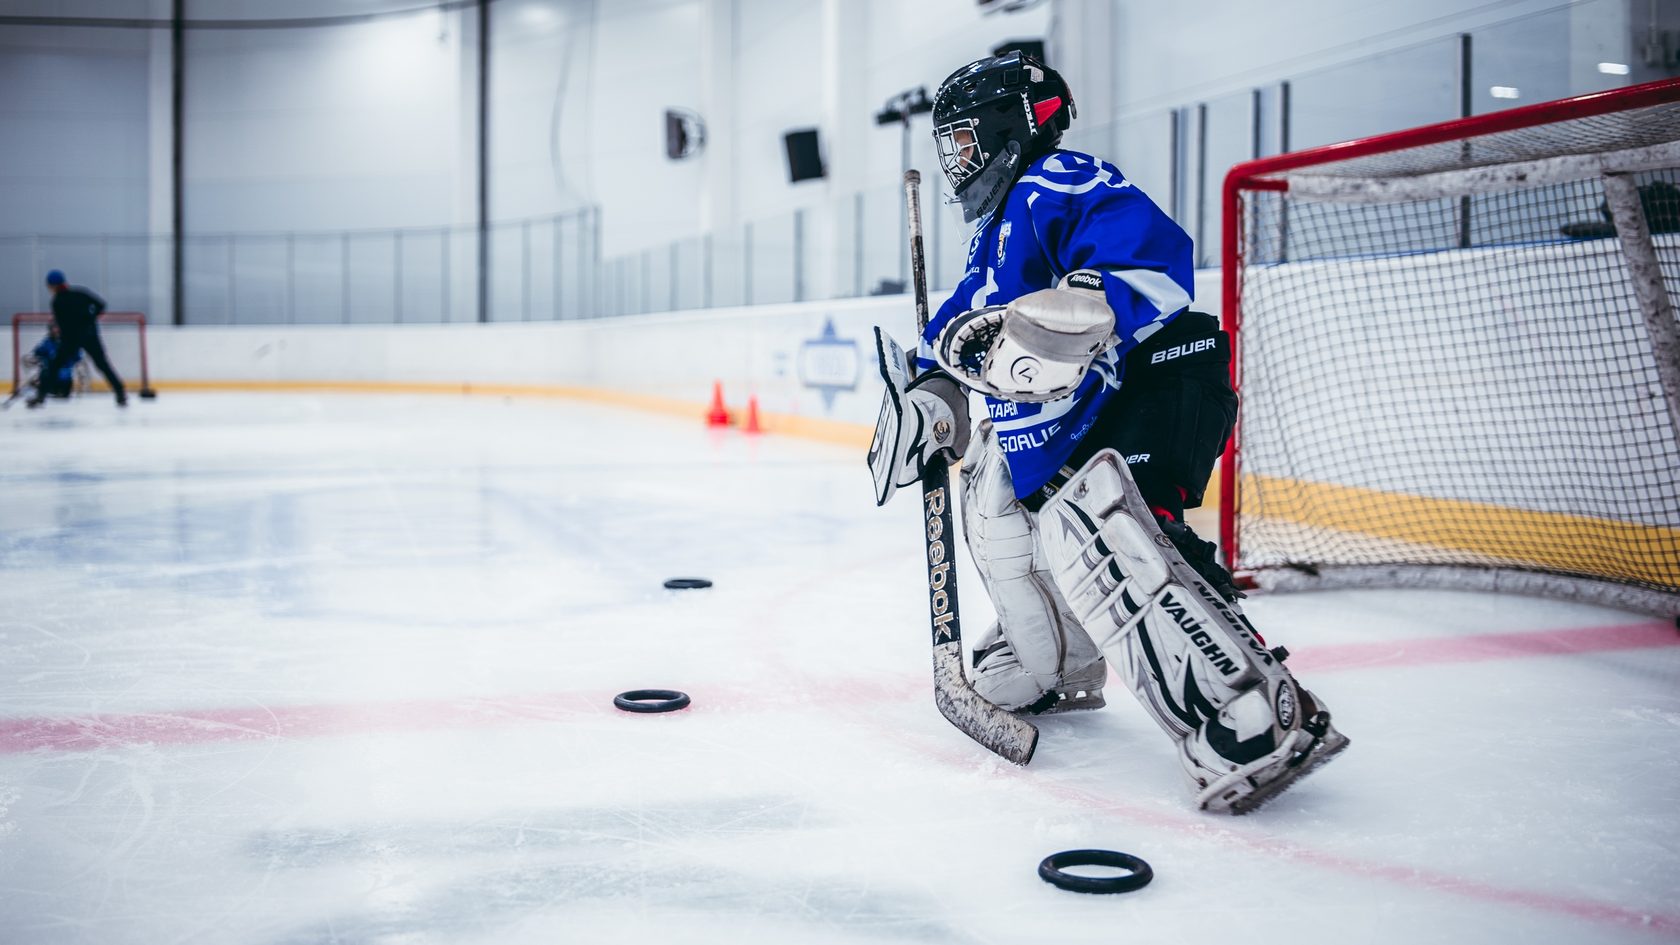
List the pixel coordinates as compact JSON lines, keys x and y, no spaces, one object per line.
{"x":752,"y":415}
{"x":718,"y":416}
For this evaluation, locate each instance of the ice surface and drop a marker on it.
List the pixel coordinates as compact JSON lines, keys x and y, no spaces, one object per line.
{"x":300,"y":669}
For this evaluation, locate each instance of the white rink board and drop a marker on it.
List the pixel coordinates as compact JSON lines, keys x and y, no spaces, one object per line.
{"x":779,"y":353}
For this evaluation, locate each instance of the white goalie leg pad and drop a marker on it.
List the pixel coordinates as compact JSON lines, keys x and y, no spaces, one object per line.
{"x":1036,"y":657}
{"x":1245,"y":728}
{"x":922,"y":421}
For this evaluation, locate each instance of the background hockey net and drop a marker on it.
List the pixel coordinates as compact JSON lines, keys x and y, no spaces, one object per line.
{"x":1455,"y":369}
{"x":124,"y":337}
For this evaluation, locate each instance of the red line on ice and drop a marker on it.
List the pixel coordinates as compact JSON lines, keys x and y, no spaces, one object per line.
{"x":1220,"y":831}
{"x":188,"y":726}
{"x":1272,"y":845}
{"x":259,"y":722}
{"x":1484,"y":646}
{"x":246,"y":723}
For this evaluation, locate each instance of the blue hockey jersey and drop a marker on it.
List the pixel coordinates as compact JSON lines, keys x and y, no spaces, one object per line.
{"x":1070,"y":211}
{"x":44,"y":353}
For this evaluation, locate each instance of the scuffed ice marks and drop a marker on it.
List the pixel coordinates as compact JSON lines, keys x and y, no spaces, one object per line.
{"x":500,"y":898}
{"x":9,"y":795}
{"x":553,"y":864}
{"x":571,"y":829}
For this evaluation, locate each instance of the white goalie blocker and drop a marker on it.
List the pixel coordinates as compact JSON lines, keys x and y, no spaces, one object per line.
{"x":920,"y":419}
{"x":1245,"y":728}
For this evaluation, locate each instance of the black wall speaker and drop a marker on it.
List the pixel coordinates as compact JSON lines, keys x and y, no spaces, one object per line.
{"x":685,"y":134}
{"x":804,"y":155}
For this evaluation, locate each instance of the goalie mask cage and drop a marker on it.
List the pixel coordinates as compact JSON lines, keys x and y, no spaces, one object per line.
{"x":122,"y":333}
{"x":1456,"y":352}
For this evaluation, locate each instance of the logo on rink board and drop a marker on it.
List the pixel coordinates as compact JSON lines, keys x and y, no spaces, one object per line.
{"x":939,"y":567}
{"x":829,"y":364}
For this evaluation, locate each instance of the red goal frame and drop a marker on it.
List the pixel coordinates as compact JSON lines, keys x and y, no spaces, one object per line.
{"x":1264,"y":174}
{"x":137,"y":319}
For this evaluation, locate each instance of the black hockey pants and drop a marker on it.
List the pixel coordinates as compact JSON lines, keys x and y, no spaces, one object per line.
{"x":1171,"y":417}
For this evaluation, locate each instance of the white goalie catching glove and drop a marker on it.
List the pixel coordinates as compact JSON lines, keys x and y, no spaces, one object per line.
{"x":922,"y":421}
{"x":1035,"y":349}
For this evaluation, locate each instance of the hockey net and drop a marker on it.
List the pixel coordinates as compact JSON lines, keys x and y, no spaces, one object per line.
{"x":123,"y":335}
{"x":1457,"y":356}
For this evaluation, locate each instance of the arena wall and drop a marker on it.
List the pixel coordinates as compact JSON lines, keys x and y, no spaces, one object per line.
{"x":811,"y":365}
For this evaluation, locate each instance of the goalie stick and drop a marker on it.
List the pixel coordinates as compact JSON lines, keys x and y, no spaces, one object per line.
{"x":1008,"y":735}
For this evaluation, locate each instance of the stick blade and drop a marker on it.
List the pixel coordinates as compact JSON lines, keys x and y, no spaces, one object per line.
{"x":1004,"y":733}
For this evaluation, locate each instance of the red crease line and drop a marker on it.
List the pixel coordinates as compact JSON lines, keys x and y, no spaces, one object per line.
{"x":1429,"y":651}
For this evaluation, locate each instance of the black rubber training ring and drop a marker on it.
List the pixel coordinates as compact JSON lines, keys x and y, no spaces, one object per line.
{"x":1050,"y":870}
{"x":653,"y":700}
{"x":687,"y":584}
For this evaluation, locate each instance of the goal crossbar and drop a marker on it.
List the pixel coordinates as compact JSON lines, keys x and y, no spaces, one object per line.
{"x":135,"y":319}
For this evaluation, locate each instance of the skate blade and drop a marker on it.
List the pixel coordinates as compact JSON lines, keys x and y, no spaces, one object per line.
{"x":1319,"y":753}
{"x":1077,"y":702}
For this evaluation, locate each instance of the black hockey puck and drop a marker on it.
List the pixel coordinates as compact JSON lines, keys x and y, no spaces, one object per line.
{"x":687,"y":584}
{"x":652,"y":700}
{"x":1050,"y":870}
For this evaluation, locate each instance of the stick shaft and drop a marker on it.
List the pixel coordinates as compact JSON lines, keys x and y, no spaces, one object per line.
{"x":1011,"y":737}
{"x":936,"y":480}
{"x":939,"y":524}
{"x":918,"y":261}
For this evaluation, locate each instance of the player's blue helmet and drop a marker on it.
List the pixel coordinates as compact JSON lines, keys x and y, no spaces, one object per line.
{"x":55,"y":277}
{"x":993,"y":116}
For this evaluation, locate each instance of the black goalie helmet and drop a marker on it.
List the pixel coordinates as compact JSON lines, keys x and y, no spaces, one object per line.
{"x":991,"y":117}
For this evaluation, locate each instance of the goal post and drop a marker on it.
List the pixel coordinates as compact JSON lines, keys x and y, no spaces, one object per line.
{"x":1458,"y":359}
{"x":122,"y":333}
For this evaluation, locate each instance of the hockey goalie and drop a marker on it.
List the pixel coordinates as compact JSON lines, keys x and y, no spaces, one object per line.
{"x":1108,"y":403}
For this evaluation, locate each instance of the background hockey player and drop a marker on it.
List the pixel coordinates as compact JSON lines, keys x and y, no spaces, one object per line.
{"x":1108,"y":403}
{"x":49,"y":382}
{"x":76,"y":313}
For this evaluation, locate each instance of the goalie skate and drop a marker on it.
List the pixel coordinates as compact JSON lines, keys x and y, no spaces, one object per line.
{"x":1245,"y":728}
{"x":1238,"y":789}
{"x":1078,"y":691}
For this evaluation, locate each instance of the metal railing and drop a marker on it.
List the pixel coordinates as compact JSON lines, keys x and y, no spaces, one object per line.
{"x":541,"y":269}
{"x":851,"y":247}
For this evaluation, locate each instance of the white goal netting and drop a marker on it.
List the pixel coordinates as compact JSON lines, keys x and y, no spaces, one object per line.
{"x":1460,"y":357}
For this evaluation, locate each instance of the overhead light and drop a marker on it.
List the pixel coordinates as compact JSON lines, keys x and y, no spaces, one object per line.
{"x":1614,"y":68}
{"x":1503,"y":91}
{"x":538,"y":16}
